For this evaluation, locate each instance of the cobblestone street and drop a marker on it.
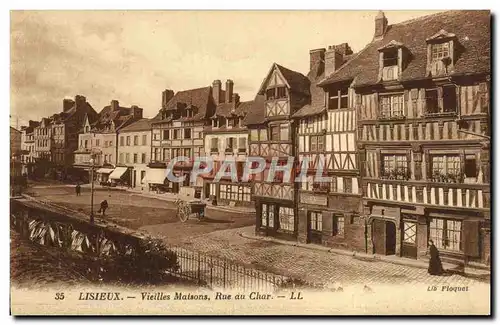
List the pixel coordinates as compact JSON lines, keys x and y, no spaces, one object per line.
{"x":308,"y":264}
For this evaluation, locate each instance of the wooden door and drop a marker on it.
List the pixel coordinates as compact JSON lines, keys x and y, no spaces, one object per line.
{"x":390,"y":238}
{"x":409,"y":239}
{"x":378,"y":233}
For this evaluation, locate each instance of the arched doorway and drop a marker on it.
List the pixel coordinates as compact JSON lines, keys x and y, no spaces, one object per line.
{"x":384,"y":237}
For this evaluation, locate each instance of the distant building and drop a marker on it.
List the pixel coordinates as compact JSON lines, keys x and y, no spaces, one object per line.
{"x":15,"y":152}
{"x":98,"y":140}
{"x":28,"y":147}
{"x":56,"y":138}
{"x":135,"y":151}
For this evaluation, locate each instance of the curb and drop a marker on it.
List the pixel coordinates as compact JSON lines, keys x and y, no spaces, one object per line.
{"x":343,"y":252}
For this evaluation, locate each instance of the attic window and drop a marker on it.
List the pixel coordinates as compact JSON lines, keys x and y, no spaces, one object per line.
{"x":391,"y":58}
{"x":270,"y":94}
{"x":440,"y":51}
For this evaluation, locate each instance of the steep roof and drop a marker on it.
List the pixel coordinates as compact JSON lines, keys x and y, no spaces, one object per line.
{"x":472,"y":30}
{"x":140,"y":125}
{"x":227,"y":109}
{"x":295,"y":80}
{"x":256,"y":113}
{"x":200,"y":98}
{"x":121,"y":117}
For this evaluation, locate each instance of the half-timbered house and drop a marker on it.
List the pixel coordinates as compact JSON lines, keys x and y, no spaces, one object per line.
{"x":422,"y":99}
{"x":273,"y":135}
{"x":329,"y":210}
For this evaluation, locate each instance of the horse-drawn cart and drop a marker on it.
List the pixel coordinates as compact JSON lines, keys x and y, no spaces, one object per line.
{"x":188,"y":205}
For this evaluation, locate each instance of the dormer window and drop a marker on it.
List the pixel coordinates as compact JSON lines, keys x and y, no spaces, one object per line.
{"x":392,"y":59}
{"x":440,"y":53}
{"x":338,"y":98}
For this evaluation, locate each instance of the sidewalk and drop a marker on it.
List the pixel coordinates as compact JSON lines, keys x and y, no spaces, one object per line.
{"x":249,"y":234}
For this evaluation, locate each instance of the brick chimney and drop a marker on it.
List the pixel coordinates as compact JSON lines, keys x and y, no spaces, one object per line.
{"x":229,"y":90}
{"x":114,"y":105}
{"x":236,"y":100}
{"x":317,"y":60}
{"x":166,"y":96}
{"x":217,"y":91}
{"x":333,"y":60}
{"x":343,"y":49}
{"x":67,"y":104}
{"x":380,"y":25}
{"x":80,"y":102}
{"x":136,"y":112}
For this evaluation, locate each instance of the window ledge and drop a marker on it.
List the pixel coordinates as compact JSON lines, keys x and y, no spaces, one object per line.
{"x":391,"y":118}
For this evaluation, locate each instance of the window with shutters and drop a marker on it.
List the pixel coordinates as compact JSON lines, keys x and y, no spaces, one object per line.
{"x":392,"y":106}
{"x":214,"y":145}
{"x":446,"y":234}
{"x":315,"y":221}
{"x":242,"y":145}
{"x":286,"y":219}
{"x":338,"y":226}
{"x":395,"y":167}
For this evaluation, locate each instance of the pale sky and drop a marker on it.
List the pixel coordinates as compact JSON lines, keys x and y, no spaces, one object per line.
{"x":132,"y":56}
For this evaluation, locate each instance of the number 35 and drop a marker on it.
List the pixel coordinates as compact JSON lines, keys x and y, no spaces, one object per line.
{"x":59,"y":296}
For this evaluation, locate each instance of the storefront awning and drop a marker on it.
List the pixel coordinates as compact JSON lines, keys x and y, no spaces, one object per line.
{"x":155,"y":176}
{"x":104,"y":170}
{"x":118,"y":173}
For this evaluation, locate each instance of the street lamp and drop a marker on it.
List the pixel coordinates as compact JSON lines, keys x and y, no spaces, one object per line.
{"x":91,"y":190}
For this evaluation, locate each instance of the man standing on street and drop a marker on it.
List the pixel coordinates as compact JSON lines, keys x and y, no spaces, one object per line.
{"x":78,"y":189}
{"x":104,"y":206}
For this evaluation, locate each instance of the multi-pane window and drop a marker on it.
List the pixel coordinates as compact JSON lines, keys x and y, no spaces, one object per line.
{"x":338,"y":226}
{"x":276,"y":93}
{"x":395,"y":167}
{"x":136,"y":140}
{"x":128,"y":140}
{"x":286,"y":218}
{"x":391,"y":58}
{"x":315,"y":221}
{"x":187,"y":133}
{"x":338,"y":98}
{"x":270,"y":94}
{"x":392,"y":105}
{"x":267,"y":216}
{"x":446,"y":168}
{"x":440,"y":51}
{"x":144,"y":139}
{"x":143,"y":158}
{"x":317,"y":143}
{"x":166,"y":134}
{"x":446,"y":233}
{"x":135,"y":158}
{"x":127,"y":158}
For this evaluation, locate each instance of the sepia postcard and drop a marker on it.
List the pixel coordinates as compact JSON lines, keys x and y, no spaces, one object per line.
{"x":250,"y":162}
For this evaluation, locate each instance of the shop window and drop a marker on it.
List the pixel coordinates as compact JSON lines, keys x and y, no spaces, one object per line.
{"x":315,"y":221}
{"x":286,"y":218}
{"x":446,"y":234}
{"x":391,"y":106}
{"x":338,"y":226}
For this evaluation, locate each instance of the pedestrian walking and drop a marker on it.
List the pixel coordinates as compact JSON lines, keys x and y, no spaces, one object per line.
{"x":103,"y":207}
{"x":78,"y":189}
{"x":435,"y":265}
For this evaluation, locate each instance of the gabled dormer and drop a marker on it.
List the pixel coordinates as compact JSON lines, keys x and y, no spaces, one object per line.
{"x":440,"y":53}
{"x":86,"y":125}
{"x":393,"y":58}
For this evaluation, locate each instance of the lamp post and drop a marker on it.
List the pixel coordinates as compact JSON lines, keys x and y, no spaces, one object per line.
{"x":91,"y":190}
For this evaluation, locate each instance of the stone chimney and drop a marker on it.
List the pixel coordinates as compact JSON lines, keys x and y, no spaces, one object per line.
{"x":333,"y":60}
{"x":380,"y":25}
{"x":67,"y":104}
{"x":317,"y":60}
{"x":114,"y":105}
{"x":80,"y":102}
{"x":236,"y":100}
{"x":136,"y":112}
{"x":166,"y":96}
{"x":343,"y":49}
{"x":217,"y":91}
{"x":229,"y":90}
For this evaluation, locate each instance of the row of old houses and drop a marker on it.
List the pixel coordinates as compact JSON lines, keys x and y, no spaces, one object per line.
{"x":402,"y":128}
